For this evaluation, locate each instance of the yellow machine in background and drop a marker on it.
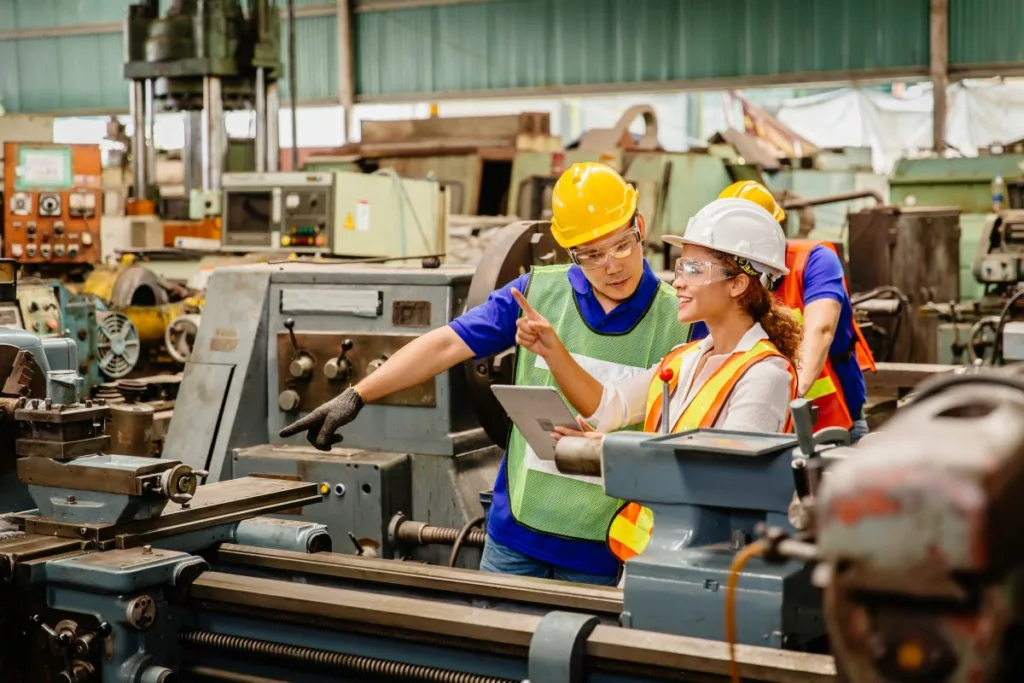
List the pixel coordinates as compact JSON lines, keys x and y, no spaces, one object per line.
{"x":164,"y":316}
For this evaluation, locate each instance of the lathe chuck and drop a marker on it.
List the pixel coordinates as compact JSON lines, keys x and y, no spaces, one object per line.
{"x":514,"y":250}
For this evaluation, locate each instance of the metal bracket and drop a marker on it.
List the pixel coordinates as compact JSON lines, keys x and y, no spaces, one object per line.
{"x":558,"y":648}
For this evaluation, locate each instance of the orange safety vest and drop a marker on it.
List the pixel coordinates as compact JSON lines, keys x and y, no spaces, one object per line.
{"x":631,"y":527}
{"x":826,"y":394}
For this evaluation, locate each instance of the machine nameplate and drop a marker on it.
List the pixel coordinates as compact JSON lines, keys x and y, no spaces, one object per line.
{"x":224,"y":339}
{"x":410,"y":314}
{"x":368,"y":351}
{"x":329,"y":301}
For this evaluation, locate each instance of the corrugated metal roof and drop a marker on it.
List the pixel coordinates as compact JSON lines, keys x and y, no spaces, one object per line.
{"x":544,"y":43}
{"x":985,"y":31}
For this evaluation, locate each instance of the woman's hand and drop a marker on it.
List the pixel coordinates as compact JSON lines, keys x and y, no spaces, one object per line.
{"x":585,"y":430}
{"x":533,"y":332}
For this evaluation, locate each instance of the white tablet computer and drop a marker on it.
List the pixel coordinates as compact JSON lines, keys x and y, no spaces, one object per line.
{"x":536,"y":411}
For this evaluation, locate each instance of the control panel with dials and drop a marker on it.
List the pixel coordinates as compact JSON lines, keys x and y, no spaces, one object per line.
{"x":52,"y":203}
{"x":293,"y":211}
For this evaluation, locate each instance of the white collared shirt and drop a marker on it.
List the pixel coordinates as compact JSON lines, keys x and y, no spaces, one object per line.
{"x":758,"y":403}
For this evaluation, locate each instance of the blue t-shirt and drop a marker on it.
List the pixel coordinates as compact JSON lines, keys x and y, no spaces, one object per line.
{"x":823,"y":279}
{"x":491,"y":328}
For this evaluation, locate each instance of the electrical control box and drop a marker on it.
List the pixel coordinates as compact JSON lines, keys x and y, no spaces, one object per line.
{"x":334,"y":213}
{"x":52,"y":203}
{"x":272,"y":211}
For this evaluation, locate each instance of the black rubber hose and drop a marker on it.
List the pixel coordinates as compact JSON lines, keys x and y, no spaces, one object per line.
{"x":463,"y":532}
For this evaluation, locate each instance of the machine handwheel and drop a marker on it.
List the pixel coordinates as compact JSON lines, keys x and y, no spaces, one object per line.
{"x":513,"y":251}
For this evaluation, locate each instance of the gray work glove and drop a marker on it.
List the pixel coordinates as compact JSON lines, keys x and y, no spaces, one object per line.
{"x":321,"y":424}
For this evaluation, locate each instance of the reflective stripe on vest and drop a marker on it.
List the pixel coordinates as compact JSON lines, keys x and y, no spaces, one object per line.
{"x":540,"y":497}
{"x":630,"y":531}
{"x":826,"y":393}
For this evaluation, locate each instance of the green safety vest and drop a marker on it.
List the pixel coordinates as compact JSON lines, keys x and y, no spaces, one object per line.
{"x":541,"y":497}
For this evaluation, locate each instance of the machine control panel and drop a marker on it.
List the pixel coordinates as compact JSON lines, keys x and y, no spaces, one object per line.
{"x":277,"y":211}
{"x":53,"y":202}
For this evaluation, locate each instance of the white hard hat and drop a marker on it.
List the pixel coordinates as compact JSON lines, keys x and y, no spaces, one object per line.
{"x":740,"y":228}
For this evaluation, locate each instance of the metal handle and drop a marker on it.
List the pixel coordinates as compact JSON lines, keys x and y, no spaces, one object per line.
{"x":289,"y":324}
{"x":803,"y":425}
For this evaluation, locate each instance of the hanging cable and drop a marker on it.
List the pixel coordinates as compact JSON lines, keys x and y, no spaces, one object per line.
{"x":755,"y":549}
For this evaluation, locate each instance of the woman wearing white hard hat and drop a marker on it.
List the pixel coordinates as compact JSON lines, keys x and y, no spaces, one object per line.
{"x":740,"y":377}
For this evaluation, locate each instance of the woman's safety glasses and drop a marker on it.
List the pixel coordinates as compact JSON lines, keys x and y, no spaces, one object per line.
{"x":697,"y":273}
{"x":598,"y":255}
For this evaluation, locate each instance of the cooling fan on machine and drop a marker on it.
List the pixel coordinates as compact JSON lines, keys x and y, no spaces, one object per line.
{"x":117,"y":344}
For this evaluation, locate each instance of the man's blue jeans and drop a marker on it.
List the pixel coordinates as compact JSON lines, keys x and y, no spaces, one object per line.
{"x":858,"y":430}
{"x":500,"y":559}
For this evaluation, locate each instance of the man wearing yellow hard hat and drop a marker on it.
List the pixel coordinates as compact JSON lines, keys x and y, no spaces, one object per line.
{"x":613,"y":314}
{"x":833,"y":354}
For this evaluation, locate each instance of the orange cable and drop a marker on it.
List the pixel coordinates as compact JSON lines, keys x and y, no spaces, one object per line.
{"x":742,"y":556}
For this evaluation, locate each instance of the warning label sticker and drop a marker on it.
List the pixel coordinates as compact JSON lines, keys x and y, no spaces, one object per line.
{"x":349,"y":223}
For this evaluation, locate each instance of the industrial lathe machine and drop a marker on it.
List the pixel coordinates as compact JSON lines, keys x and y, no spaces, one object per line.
{"x":127,"y":570}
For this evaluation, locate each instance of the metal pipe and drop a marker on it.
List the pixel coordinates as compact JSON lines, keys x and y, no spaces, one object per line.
{"x":150,"y":118}
{"x":832,"y":199}
{"x":579,"y":455}
{"x":216,"y":133}
{"x":138,"y":106}
{"x":192,"y":155}
{"x":261,"y":120}
{"x":356,"y":665}
{"x":206,"y":134}
{"x":273,"y":129}
{"x":292,"y":91}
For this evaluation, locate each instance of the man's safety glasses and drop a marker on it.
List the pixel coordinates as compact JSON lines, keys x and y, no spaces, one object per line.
{"x":697,"y":273}
{"x":589,"y":259}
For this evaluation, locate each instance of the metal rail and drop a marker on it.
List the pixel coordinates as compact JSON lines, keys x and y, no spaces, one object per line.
{"x":462,"y":582}
{"x":469,"y":628}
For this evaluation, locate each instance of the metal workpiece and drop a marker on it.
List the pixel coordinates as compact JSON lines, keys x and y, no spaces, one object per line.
{"x":131,"y":429}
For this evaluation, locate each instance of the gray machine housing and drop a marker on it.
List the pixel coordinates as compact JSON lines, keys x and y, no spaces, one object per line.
{"x":706,"y":506}
{"x":429,"y":461}
{"x":57,"y":358}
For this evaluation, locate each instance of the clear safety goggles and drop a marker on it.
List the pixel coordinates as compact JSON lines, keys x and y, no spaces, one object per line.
{"x":698,"y":273}
{"x":589,"y":259}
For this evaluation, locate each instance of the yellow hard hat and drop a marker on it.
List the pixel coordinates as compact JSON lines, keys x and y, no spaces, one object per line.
{"x":589,"y":201}
{"x":754,"y":191}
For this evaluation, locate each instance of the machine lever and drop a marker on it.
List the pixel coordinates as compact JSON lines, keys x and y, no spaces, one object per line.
{"x":803,"y":425}
{"x":356,"y":543}
{"x":801,"y":479}
{"x":289,"y":324}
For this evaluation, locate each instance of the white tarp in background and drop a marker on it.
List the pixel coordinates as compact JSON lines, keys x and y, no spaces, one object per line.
{"x":978,"y":115}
